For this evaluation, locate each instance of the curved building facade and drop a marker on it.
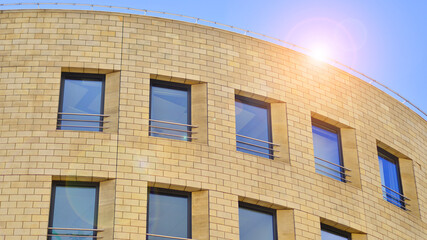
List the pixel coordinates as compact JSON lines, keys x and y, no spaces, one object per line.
{"x":120,"y":126}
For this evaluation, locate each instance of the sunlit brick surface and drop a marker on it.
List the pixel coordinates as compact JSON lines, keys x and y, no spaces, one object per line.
{"x":37,"y":45}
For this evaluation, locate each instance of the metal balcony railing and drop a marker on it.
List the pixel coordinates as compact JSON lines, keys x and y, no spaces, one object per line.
{"x":395,"y":198}
{"x":157,"y":236}
{"x":257,"y":146}
{"x":327,"y":168}
{"x":175,"y":131}
{"x":65,"y":232}
{"x":79,"y":121}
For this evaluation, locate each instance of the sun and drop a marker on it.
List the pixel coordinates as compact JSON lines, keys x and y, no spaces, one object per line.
{"x":320,"y":53}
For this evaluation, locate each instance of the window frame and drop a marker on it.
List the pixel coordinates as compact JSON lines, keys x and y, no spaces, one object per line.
{"x":81,"y":77}
{"x":258,"y":208}
{"x":175,"y":86}
{"x":327,"y":228}
{"x":336,"y":130}
{"x":260,"y":104}
{"x":171,"y":192}
{"x":394,"y":160}
{"x":75,"y":184}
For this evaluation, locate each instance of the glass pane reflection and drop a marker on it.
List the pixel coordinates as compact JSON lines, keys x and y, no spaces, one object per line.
{"x":326,"y":146}
{"x":82,"y":97}
{"x":391,"y":179}
{"x":74,"y":207}
{"x":255,"y":225}
{"x":168,"y":215}
{"x":326,"y":235}
{"x":252,"y":121}
{"x":170,"y":105}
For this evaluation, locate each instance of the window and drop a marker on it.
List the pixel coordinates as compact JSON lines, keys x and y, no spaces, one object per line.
{"x":327,"y":150}
{"x":330,"y":233}
{"x":390,"y":178}
{"x":169,"y":214}
{"x":256,"y":222}
{"x":170,"y":115}
{"x":74,"y":205}
{"x":253,"y":131}
{"x":81,"y":102}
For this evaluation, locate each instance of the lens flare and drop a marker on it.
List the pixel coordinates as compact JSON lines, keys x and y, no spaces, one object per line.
{"x":320,"y":53}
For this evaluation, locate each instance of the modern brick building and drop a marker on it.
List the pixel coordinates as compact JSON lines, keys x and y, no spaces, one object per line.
{"x":133,"y":127}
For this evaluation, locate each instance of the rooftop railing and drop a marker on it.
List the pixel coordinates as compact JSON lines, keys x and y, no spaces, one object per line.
{"x":395,"y":198}
{"x":173,"y":16}
{"x":81,"y":121}
{"x":172,"y":130}
{"x":257,"y":146}
{"x":330,"y":169}
{"x":65,"y":232}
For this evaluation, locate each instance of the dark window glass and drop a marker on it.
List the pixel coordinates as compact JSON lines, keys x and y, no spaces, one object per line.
{"x":169,"y":214}
{"x":256,"y":223}
{"x":81,"y":103}
{"x":390,"y":178}
{"x":170,"y":102}
{"x":327,"y":151}
{"x":73,"y":205}
{"x":253,"y":122}
{"x":329,"y":233}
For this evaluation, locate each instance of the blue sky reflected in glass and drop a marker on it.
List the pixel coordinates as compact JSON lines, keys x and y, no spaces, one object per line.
{"x":82,"y":96}
{"x":255,"y":225}
{"x":252,"y":121}
{"x":390,"y":178}
{"x":168,"y":215}
{"x":74,"y":207}
{"x":326,"y":147}
{"x":326,"y":235}
{"x":170,"y":105}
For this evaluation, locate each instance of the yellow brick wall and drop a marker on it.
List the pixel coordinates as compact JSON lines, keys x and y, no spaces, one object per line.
{"x":37,"y":45}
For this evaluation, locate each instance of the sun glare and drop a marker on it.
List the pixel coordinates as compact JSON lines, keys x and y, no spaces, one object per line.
{"x":320,"y":53}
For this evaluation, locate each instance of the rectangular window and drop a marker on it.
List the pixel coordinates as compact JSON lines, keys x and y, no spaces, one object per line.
{"x":170,"y":110}
{"x":73,"y":210}
{"x":256,"y":222}
{"x":169,"y":214}
{"x":390,"y":178}
{"x":253,"y":127}
{"x":327,"y":150}
{"x":330,"y":233}
{"x":81,"y":102}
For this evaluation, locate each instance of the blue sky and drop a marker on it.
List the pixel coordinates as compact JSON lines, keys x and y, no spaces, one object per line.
{"x":384,"y":39}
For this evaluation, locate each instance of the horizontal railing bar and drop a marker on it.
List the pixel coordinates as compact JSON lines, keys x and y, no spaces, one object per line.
{"x":393,"y":198}
{"x":80,"y":120}
{"x":257,"y":140}
{"x":396,"y":192}
{"x":164,"y":236}
{"x":333,"y":163}
{"x":250,"y":144}
{"x":172,"y":129}
{"x":179,"y":124}
{"x":83,"y":114}
{"x":76,"y":229}
{"x":71,"y":235}
{"x":343,"y":173}
{"x":173,"y":135}
{"x":258,"y":152}
{"x":60,"y":125}
{"x":344,"y":180}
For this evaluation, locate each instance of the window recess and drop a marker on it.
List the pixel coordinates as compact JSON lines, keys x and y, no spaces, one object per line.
{"x":327,"y":148}
{"x":253,"y":128}
{"x":170,"y":111}
{"x":81,"y":102}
